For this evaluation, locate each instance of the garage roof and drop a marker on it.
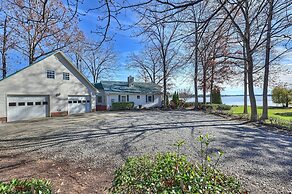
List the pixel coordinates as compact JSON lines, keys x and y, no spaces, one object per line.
{"x":60,"y":53}
{"x":123,"y":87}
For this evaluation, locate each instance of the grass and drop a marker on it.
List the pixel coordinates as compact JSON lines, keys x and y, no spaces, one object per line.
{"x":277,"y":115}
{"x":284,"y":114}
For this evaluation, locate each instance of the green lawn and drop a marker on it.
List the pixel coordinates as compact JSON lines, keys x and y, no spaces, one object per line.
{"x":284,"y":114}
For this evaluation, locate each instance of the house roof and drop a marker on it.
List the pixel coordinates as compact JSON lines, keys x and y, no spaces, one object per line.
{"x":123,"y":87}
{"x":46,"y":56}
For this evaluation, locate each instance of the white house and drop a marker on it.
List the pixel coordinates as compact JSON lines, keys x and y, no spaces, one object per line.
{"x":145,"y":95}
{"x":50,"y":87}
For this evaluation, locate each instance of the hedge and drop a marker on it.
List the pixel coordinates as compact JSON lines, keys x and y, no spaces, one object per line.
{"x":33,"y":186}
{"x":122,"y":105}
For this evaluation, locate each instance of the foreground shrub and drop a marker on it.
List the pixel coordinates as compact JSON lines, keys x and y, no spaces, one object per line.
{"x":33,"y":186}
{"x":188,"y":104}
{"x":173,"y":173}
{"x":122,"y":105}
{"x":224,"y":107}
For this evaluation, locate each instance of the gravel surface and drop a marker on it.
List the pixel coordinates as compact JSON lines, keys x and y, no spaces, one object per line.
{"x":259,"y":158}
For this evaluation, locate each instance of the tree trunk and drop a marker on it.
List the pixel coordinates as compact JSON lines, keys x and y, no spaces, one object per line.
{"x":31,"y":56}
{"x":212,"y":83}
{"x":253,"y":105}
{"x":204,"y":85}
{"x":267,"y":62}
{"x":4,"y":65}
{"x":196,"y":68}
{"x":164,"y":86}
{"x":245,"y":84}
{"x":250,"y":66}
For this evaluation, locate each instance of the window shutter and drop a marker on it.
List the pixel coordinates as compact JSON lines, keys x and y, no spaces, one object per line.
{"x":119,"y":98}
{"x":127,"y":98}
{"x":146,"y":98}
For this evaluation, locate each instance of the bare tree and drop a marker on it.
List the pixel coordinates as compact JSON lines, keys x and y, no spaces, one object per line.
{"x":43,"y":27}
{"x":166,"y":41}
{"x":6,"y":42}
{"x":76,"y":51}
{"x":278,"y":24}
{"x":148,"y":64}
{"x":99,"y":63}
{"x":248,"y":29}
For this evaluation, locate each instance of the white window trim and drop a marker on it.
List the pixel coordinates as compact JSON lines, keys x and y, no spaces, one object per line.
{"x":65,"y":74}
{"x":122,"y":98}
{"x":47,"y":73}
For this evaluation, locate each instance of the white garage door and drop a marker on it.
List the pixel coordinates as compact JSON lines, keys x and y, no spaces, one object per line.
{"x":79,"y":104}
{"x":26,"y":107}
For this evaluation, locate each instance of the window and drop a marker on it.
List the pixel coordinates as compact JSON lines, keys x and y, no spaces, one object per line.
{"x":12,"y":104}
{"x":124,"y":99}
{"x":50,"y":74}
{"x":66,"y":76}
{"x":83,"y":101}
{"x":38,"y":103}
{"x":45,"y":103}
{"x":79,"y":101}
{"x":138,"y":97}
{"x":70,"y":102}
{"x":29,"y":103}
{"x":149,"y":98}
{"x":99,"y":99}
{"x":21,"y":104}
{"x":75,"y":101}
{"x":88,"y":101}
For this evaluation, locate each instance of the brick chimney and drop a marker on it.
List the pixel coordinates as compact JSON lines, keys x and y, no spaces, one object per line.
{"x":130,"y":81}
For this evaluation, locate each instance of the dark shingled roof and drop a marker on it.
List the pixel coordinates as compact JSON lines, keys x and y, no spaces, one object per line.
{"x":122,"y":87}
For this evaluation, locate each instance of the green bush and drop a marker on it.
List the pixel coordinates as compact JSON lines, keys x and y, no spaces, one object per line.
{"x":188,"y":104}
{"x":175,"y":99}
{"x":173,"y":173}
{"x":282,"y":95}
{"x":33,"y":186}
{"x":224,"y":107}
{"x":209,"y":107}
{"x":216,"y":96}
{"x":122,"y":105}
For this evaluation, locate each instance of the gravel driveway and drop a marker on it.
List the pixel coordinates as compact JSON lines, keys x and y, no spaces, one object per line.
{"x":261,"y":159}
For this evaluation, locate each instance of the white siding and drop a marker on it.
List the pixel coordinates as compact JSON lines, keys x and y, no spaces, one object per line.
{"x":33,"y":81}
{"x":133,"y":98}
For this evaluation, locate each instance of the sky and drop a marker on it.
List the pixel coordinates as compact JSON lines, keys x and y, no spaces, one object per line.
{"x":125,"y":43}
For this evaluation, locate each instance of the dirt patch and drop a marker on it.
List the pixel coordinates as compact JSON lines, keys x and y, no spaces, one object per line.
{"x":65,"y":177}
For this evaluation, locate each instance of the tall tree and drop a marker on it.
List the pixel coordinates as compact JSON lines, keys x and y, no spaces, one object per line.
{"x":244,"y":16}
{"x":6,"y":42}
{"x":165,"y":38}
{"x":148,"y":64}
{"x":99,"y":63}
{"x":277,"y":33}
{"x":43,"y":27}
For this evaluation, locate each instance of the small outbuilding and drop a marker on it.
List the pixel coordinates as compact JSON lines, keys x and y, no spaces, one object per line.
{"x":143,"y":95}
{"x":49,"y":87}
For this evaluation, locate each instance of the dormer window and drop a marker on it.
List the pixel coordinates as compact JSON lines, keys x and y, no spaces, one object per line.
{"x":50,"y":74}
{"x":66,"y":76}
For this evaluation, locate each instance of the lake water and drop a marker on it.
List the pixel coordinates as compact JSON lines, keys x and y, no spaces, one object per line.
{"x":238,"y":100}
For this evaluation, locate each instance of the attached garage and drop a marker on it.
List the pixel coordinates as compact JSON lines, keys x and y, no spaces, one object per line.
{"x":27,"y":107}
{"x":79,"y":104}
{"x":50,"y":87}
